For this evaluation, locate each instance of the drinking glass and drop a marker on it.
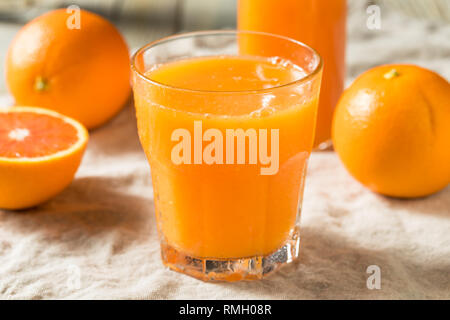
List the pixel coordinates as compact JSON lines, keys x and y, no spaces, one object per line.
{"x":238,"y":219}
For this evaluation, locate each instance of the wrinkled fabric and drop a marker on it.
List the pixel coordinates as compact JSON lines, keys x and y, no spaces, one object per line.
{"x":98,"y":239}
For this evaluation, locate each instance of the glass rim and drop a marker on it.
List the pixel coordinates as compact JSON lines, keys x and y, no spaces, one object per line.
{"x":318,"y":68}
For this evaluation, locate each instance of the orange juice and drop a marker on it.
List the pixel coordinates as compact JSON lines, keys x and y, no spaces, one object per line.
{"x":217,"y":195}
{"x":318,"y":23}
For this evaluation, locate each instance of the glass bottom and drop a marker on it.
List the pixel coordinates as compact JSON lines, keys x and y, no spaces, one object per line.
{"x":324,"y":146}
{"x":250,"y":268}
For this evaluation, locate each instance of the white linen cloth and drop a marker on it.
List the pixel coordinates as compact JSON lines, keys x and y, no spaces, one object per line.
{"x":98,"y":238}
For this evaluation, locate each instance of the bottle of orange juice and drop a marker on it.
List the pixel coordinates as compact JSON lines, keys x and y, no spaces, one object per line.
{"x":318,"y":23}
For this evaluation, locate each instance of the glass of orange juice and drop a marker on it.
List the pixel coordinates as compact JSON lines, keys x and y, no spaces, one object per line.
{"x":318,"y":23}
{"x":227,"y":133}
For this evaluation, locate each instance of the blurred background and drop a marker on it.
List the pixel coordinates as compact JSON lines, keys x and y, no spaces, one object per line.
{"x":420,"y":28}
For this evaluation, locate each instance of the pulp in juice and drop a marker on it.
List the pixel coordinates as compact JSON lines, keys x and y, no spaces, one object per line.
{"x":226,"y":210}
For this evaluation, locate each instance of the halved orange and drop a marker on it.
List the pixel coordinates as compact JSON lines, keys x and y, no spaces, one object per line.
{"x":40,"y":152}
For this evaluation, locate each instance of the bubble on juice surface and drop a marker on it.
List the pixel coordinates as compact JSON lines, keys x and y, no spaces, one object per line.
{"x":280,"y":61}
{"x":266,"y":100}
{"x":264,"y":73}
{"x":263,"y":112}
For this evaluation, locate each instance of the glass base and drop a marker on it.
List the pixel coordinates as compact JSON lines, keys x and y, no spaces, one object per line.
{"x":250,"y":268}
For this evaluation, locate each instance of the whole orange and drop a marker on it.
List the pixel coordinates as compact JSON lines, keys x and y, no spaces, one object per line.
{"x":391,"y":129}
{"x":76,"y":65}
